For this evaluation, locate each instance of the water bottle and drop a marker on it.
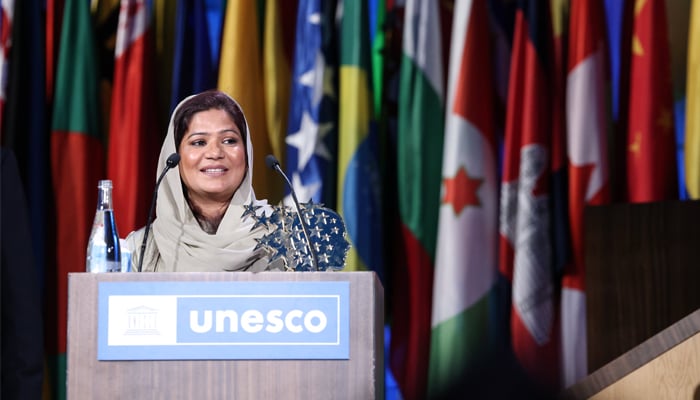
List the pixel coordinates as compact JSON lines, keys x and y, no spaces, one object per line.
{"x":125,"y":253}
{"x":103,"y":253}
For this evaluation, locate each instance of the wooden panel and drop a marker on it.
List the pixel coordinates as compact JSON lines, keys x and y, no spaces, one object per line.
{"x":641,"y":273}
{"x":361,"y":377}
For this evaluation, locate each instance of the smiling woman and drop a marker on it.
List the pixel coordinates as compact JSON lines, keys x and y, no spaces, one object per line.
{"x":199,"y":224}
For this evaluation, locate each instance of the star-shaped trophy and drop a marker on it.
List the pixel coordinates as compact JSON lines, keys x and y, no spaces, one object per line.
{"x":287,"y":239}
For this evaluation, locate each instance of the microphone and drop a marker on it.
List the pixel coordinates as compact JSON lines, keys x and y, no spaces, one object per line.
{"x":272,"y":163}
{"x":170,"y":163}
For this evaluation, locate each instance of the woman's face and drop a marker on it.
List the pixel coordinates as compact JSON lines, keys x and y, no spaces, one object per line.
{"x":212,"y":157}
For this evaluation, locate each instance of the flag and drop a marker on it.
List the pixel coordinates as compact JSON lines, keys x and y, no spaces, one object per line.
{"x":377,"y":26}
{"x":558,"y":180}
{"x":164,"y":13}
{"x":77,"y":163}
{"x":466,"y":253}
{"x":678,"y":14}
{"x":525,"y":246}
{"x":692,"y":107}
{"x":240,"y":75}
{"x":193,"y":69}
{"x":419,"y":154}
{"x":26,"y":132}
{"x":278,"y":48}
{"x":614,"y":21}
{"x":561,"y":248}
{"x":134,"y":138}
{"x":54,"y":17}
{"x":588,"y":169}
{"x":359,"y":192}
{"x":6,"y":13}
{"x":105,"y":17}
{"x":651,"y":146}
{"x":312,"y":133}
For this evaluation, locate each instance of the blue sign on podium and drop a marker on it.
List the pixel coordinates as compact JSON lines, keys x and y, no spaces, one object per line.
{"x":223,"y":320}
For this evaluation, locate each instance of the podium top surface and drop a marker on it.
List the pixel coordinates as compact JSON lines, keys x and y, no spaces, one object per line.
{"x":353,"y":276}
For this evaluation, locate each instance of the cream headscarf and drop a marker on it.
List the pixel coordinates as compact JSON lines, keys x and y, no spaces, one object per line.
{"x":178,"y":243}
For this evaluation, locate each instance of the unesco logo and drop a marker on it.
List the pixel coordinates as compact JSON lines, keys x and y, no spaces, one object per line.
{"x":254,"y":321}
{"x":223,"y":320}
{"x":259,"y":319}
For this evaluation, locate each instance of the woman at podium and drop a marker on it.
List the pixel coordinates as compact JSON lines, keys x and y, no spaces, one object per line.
{"x":202,"y":203}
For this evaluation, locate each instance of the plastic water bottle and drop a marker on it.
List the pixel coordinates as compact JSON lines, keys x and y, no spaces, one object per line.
{"x":103,"y":254}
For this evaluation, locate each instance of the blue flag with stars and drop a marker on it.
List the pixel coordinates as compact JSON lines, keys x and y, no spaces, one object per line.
{"x":312,"y":125}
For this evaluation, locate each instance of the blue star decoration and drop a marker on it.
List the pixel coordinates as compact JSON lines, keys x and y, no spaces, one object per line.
{"x":286,"y":240}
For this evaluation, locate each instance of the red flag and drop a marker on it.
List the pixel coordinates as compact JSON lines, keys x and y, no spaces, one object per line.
{"x":588,"y":168}
{"x":525,"y":244}
{"x":651,"y":147}
{"x":134,"y":136}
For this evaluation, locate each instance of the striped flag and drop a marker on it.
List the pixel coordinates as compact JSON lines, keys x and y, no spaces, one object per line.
{"x":651,"y":146}
{"x":134,"y":138}
{"x":466,"y":255}
{"x":692,"y":107}
{"x":240,"y":75}
{"x":420,"y":139}
{"x":312,"y":133}
{"x":588,"y":169}
{"x":77,"y":161}
{"x":193,"y":69}
{"x":525,"y":249}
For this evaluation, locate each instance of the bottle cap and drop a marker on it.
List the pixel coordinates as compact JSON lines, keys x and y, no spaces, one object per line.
{"x":106,"y":183}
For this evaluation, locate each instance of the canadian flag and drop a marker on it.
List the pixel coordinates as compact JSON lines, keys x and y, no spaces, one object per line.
{"x":588,"y":169}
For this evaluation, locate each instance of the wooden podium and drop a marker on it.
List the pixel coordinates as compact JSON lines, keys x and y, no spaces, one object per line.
{"x":642,"y":273}
{"x":643,"y":302}
{"x":359,"y":376}
{"x":666,"y":366}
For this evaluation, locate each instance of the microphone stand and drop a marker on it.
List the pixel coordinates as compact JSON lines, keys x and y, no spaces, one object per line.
{"x":272,"y":162}
{"x":171,"y":162}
